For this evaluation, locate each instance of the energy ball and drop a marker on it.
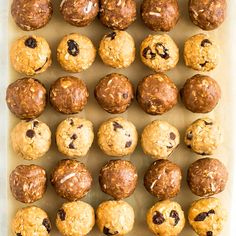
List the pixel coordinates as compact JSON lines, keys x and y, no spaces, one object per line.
{"x":31,"y":220}
{"x":114,"y":93}
{"x":160,"y":15}
{"x":157,"y":94}
{"x":118,"y":178}
{"x":31,"y":15}
{"x":117,"y":137}
{"x":208,"y":15}
{"x":166,"y":218}
{"x":26,"y":98}
{"x":75,"y":218}
{"x":207,"y":177}
{"x":71,"y":179}
{"x":117,"y":49}
{"x":159,"y":52}
{"x":201,"y":53}
{"x":115,"y":218}
{"x":76,"y":53}
{"x":30,"y":55}
{"x":163,"y":179}
{"x":200,"y":94}
{"x":79,"y":13}
{"x":159,"y":139}
{"x":117,"y":14}
{"x":74,"y":137}
{"x":69,"y":95}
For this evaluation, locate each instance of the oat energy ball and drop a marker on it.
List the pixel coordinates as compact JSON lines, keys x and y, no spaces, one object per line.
{"x":79,"y":13}
{"x":31,"y":220}
{"x":207,"y":216}
{"x":200,"y":94}
{"x":117,"y":49}
{"x":160,"y":15}
{"x":207,"y":15}
{"x":31,"y":14}
{"x":26,"y":98}
{"x":117,"y":137}
{"x":75,"y":218}
{"x":30,"y":55}
{"x":76,"y":53}
{"x":115,"y":218}
{"x":166,"y":218}
{"x":159,"y":52}
{"x":74,"y":137}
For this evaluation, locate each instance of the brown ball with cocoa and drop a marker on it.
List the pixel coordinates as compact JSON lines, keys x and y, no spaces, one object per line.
{"x":163,"y":179}
{"x":200,"y":94}
{"x":26,"y":98}
{"x":207,"y":177}
{"x":71,"y":179}
{"x":28,"y":183}
{"x":69,"y":95}
{"x":157,"y":94}
{"x":114,"y":93}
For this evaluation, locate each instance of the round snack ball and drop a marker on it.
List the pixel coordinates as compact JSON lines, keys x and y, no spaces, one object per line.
{"x":117,"y":137}
{"x":71,"y":179}
{"x":118,"y":178}
{"x":76,"y":53}
{"x":69,"y":95}
{"x":117,"y":49}
{"x":117,"y":14}
{"x":160,"y":15}
{"x":201,"y":53}
{"x":115,"y":218}
{"x":75,"y":218}
{"x":166,"y":218}
{"x":159,"y":139}
{"x":30,"y":55}
{"x":207,"y":216}
{"x":31,"y":220}
{"x":203,"y":136}
{"x":74,"y":137}
{"x":159,"y":52}
{"x":114,"y":93}
{"x":200,"y":94}
{"x":79,"y":13}
{"x":207,"y":177}
{"x":31,"y":15}
{"x":157,"y":94}
{"x":208,"y":15}
{"x":26,"y":98}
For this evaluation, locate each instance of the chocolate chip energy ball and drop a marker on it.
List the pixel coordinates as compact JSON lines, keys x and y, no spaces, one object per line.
{"x":114,"y":93}
{"x":30,"y":55}
{"x":200,"y":94}
{"x":166,"y":218}
{"x":26,"y":98}
{"x":79,"y":13}
{"x":31,"y":14}
{"x":157,"y":94}
{"x":71,"y":179}
{"x":76,"y":53}
{"x":117,"y":14}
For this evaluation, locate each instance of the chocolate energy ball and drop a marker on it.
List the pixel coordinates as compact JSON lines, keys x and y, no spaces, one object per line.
{"x":163,"y":179}
{"x":200,"y":94}
{"x":117,"y":14}
{"x":31,"y":14}
{"x":71,"y":179}
{"x":26,"y":98}
{"x":157,"y":94}
{"x":79,"y":13}
{"x":114,"y":93}
{"x":207,"y":177}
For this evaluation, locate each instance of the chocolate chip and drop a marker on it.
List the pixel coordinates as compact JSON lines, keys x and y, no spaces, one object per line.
{"x":30,"y":133}
{"x":189,"y":146}
{"x":71,"y":122}
{"x":158,"y":218}
{"x":125,"y":95}
{"x":211,"y":212}
{"x":35,"y":123}
{"x":203,"y":64}
{"x":71,"y":145}
{"x":74,"y":137}
{"x":46,"y":223}
{"x":206,"y":42}
{"x":31,"y":42}
{"x":40,"y":68}
{"x":18,"y":234}
{"x":128,"y":144}
{"x":80,"y":126}
{"x":174,"y":214}
{"x":162,"y":51}
{"x":148,"y":54}
{"x":172,"y":136}
{"x":170,"y":146}
{"x":201,"y":217}
{"x":208,"y":123}
{"x":209,"y":233}
{"x":111,"y":35}
{"x":116,"y":126}
{"x":190,"y":135}
{"x":62,"y":214}
{"x":73,"y":48}
{"x":106,"y":231}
